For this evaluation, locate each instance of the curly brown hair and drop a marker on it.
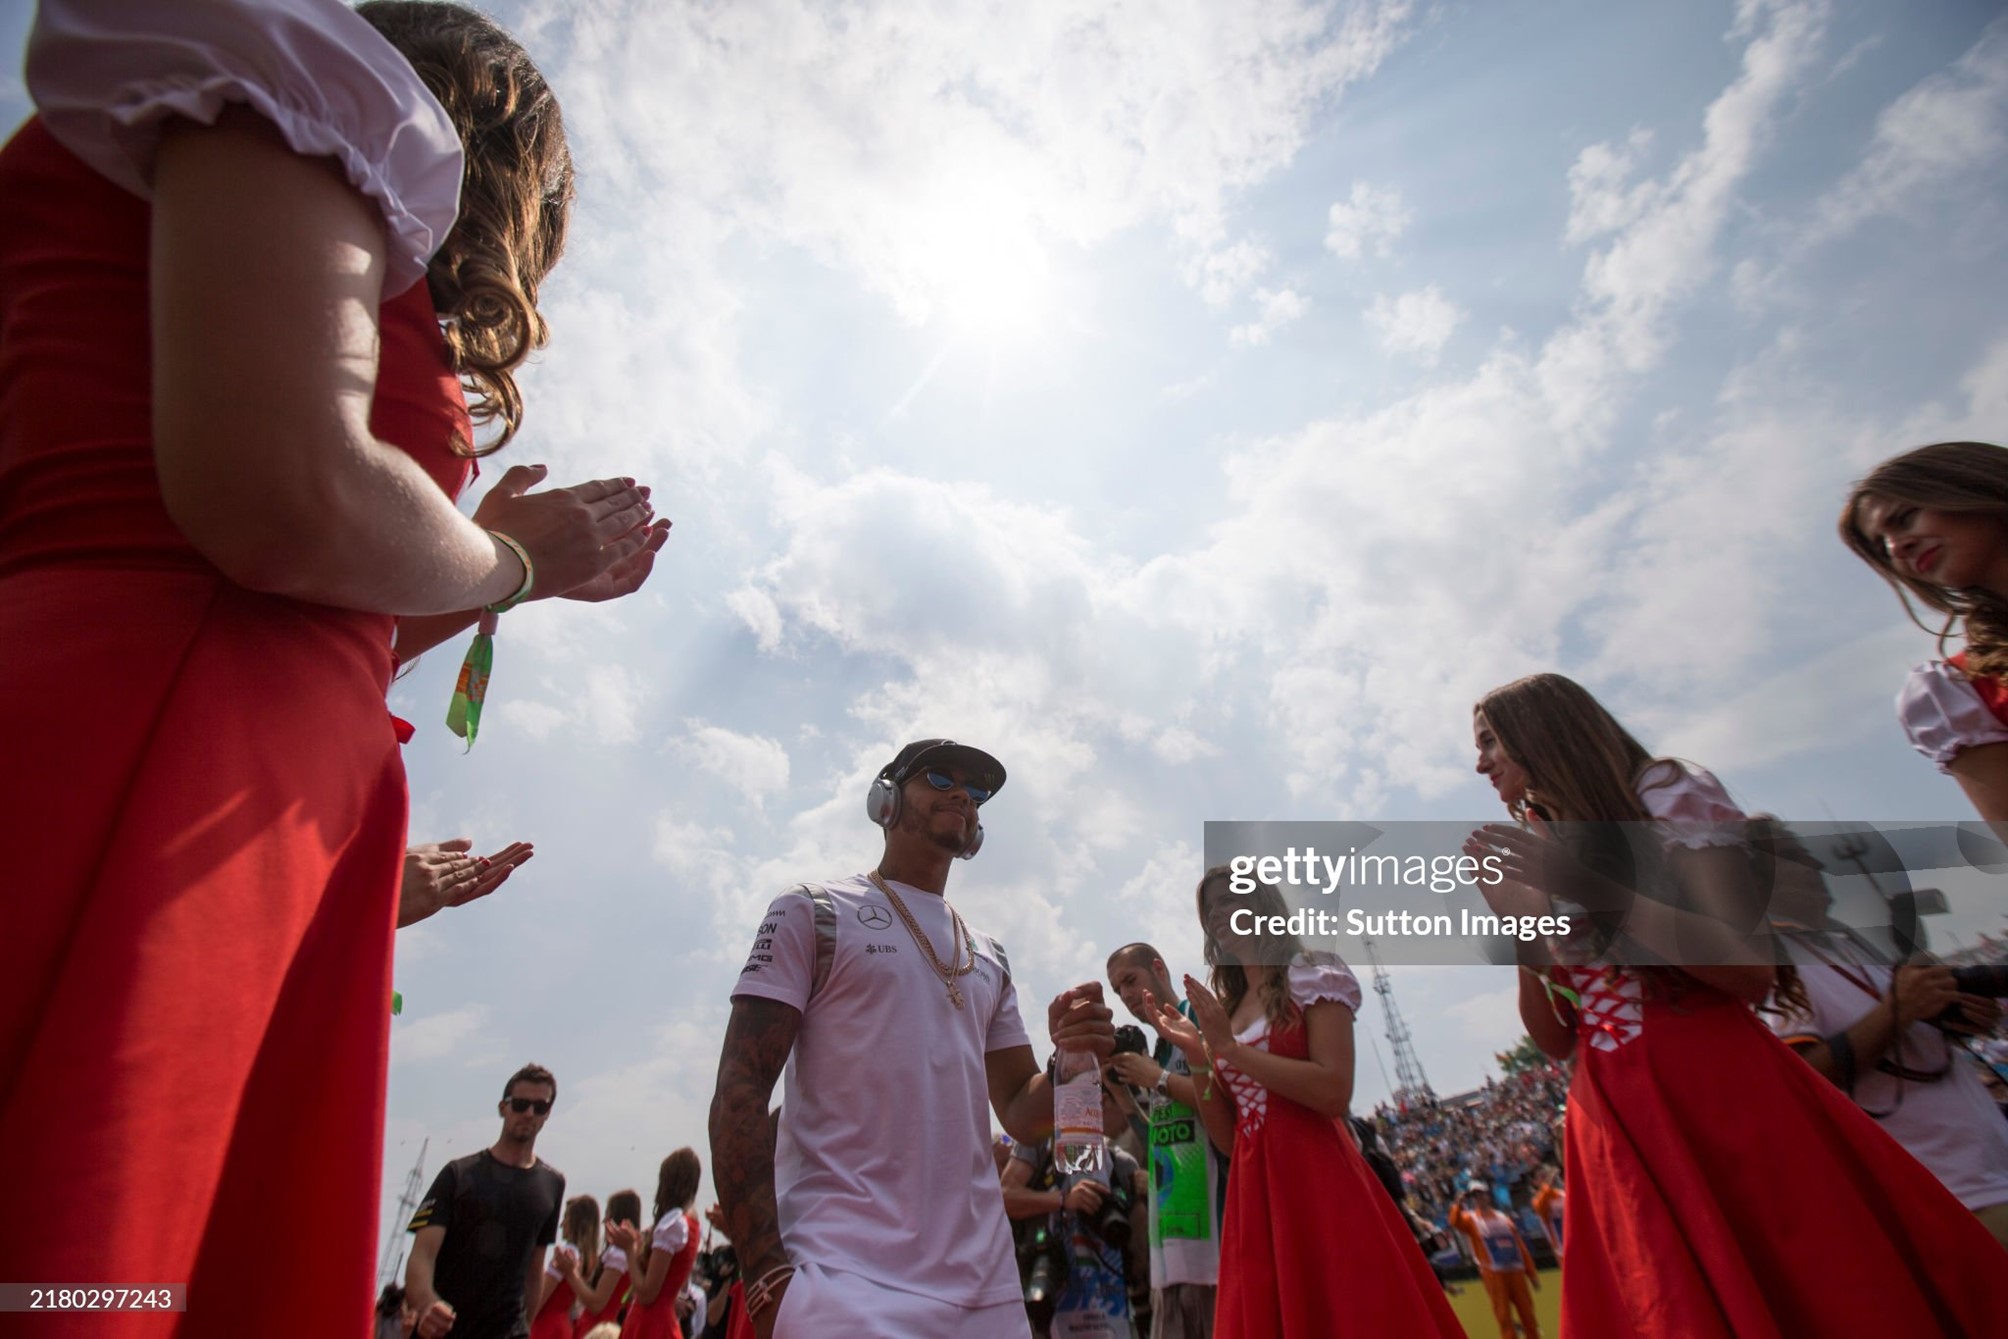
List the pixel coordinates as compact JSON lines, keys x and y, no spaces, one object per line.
{"x":1945,"y":476}
{"x":515,"y":195}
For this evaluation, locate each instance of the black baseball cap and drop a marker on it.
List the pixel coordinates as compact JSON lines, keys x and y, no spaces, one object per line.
{"x":976,"y":766}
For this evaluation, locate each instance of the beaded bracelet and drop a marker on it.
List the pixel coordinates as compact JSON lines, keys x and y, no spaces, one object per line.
{"x":529,"y":576}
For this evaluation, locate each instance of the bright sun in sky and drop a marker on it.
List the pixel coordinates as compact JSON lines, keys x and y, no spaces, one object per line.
{"x":987,"y":276}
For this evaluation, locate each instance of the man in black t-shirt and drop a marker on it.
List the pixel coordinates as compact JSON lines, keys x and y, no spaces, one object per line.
{"x":477,"y":1268}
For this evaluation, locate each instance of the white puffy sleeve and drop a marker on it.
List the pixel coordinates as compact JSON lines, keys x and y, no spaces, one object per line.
{"x":1942,"y":713}
{"x":1689,"y":807}
{"x":1321,"y":976}
{"x":671,"y":1231}
{"x":106,"y":74}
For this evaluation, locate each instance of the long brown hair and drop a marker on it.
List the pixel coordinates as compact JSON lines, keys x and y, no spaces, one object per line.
{"x":1586,"y":769}
{"x":1582,"y":766}
{"x":1946,"y":476}
{"x":582,"y":1228}
{"x":1229,"y":980}
{"x":676,"y":1181}
{"x":515,"y":195}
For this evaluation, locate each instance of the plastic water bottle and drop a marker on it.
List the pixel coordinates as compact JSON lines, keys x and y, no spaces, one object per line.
{"x":1080,"y":1149}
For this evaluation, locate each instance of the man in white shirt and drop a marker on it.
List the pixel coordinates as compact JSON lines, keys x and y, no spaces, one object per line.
{"x":874,"y":1209}
{"x":1869,"y":1029}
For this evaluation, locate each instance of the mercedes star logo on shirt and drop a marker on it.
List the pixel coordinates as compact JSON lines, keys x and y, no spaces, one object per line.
{"x":875,"y":918}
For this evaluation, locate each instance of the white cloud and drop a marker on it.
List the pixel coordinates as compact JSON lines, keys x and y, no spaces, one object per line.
{"x":457,"y":1033}
{"x":1156,"y":906}
{"x":1223,"y":273}
{"x":1418,"y":324}
{"x":1279,"y":307}
{"x":1178,"y":745}
{"x":684,"y":846}
{"x":1827,"y":701}
{"x":619,"y":1122}
{"x":1600,"y":199}
{"x":759,"y":614}
{"x":1666,"y":229}
{"x":610,"y":706}
{"x":1937,"y":136}
{"x":532,"y":719}
{"x":1489,"y":1016}
{"x":1359,"y":547}
{"x":754,"y":765}
{"x":1372,"y":219}
{"x":988,"y":137}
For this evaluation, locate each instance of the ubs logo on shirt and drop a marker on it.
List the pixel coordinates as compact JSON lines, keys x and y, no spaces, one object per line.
{"x":874,"y":918}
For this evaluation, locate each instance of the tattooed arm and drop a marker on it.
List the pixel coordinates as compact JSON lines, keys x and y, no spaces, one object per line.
{"x":757,"y":1041}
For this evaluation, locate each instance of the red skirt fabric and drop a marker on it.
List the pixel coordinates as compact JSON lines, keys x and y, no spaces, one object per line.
{"x":1719,"y":1188}
{"x":1311,"y":1246}
{"x":195,"y":977}
{"x":611,"y":1311}
{"x":202,"y":808}
{"x":554,"y":1318}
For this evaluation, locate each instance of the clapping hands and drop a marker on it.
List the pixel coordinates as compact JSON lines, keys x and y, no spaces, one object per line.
{"x":592,"y":541}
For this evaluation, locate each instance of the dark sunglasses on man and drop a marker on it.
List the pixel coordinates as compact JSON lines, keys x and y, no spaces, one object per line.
{"x":943,"y":781}
{"x":519,"y":1105}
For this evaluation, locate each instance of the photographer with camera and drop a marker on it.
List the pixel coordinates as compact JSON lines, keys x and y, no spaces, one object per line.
{"x":1188,"y":1172}
{"x":1082,"y":1264}
{"x":717,"y":1270}
{"x":1888,"y":1037}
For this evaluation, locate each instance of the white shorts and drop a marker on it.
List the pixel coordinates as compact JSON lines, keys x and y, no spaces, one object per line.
{"x":823,"y":1302}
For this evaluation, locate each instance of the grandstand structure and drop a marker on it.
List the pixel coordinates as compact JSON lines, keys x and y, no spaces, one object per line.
{"x":1411,"y":1084}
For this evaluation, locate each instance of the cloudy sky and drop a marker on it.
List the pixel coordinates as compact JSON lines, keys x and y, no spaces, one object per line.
{"x":1198,"y":406}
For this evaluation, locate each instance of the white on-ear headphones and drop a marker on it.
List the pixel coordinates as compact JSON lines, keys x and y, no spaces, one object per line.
{"x":882,"y":806}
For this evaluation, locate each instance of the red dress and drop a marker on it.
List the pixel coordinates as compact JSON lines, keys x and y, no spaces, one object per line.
{"x":657,"y":1320}
{"x":554,"y":1318}
{"x":203,"y":811}
{"x":613,"y":1259}
{"x":1311,"y":1246}
{"x":1720,"y":1188}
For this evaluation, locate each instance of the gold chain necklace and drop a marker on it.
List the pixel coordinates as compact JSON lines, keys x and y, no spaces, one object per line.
{"x":959,"y":932}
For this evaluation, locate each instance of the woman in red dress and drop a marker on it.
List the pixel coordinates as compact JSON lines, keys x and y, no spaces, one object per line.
{"x":601,"y":1295}
{"x":1934,"y":523}
{"x":663,"y":1262}
{"x":231,"y":432}
{"x":1311,"y":1244}
{"x":1718,"y":1187}
{"x":581,"y":1230}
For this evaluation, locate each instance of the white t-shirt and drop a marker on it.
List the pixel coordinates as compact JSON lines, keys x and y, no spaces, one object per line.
{"x":1950,"y":1126}
{"x":882,"y":1166}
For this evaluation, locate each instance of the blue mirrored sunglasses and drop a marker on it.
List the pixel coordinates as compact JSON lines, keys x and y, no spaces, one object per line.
{"x":943,"y":781}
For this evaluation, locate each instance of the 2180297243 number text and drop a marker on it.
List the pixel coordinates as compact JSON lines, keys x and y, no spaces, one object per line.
{"x":93,"y":1297}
